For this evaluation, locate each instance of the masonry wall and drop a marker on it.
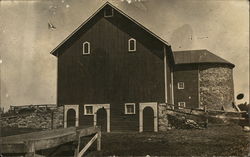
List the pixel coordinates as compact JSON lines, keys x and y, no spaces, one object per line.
{"x":35,"y":119}
{"x":216,"y":86}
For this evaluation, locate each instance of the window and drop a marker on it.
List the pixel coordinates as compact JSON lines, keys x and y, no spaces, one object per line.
{"x":88,"y":110}
{"x":131,"y":45}
{"x":130,"y":108}
{"x":180,"y":85}
{"x":108,"y":12}
{"x":86,"y":48}
{"x":181,"y":105}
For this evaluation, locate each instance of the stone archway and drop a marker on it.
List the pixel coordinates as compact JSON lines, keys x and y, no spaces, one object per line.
{"x":70,"y":108}
{"x":153,"y":106}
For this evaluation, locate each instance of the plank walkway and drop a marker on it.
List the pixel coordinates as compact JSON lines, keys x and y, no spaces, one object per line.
{"x":29,"y":143}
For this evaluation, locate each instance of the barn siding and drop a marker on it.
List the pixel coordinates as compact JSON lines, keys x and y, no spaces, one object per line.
{"x":111,"y":74}
{"x":189,"y":75}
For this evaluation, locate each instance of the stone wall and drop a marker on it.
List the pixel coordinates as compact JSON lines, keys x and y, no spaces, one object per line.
{"x":216,"y":86}
{"x":163,"y":124}
{"x":169,"y":119}
{"x":35,"y":119}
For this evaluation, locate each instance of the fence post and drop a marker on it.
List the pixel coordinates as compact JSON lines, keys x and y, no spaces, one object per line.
{"x":206,"y":115}
{"x":52,"y":118}
{"x":77,"y":144}
{"x":99,"y":140}
{"x":30,"y":145}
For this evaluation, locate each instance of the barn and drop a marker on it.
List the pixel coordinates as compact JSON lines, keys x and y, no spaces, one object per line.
{"x":113,"y":72}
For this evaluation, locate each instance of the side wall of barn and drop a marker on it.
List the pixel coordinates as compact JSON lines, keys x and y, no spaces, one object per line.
{"x":188,"y":74}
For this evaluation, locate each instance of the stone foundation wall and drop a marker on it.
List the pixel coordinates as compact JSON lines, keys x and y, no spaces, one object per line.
{"x":163,"y":124}
{"x":169,"y":119}
{"x":35,"y":119}
{"x":216,"y":86}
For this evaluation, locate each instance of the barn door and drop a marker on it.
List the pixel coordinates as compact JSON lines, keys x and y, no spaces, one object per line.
{"x":101,"y":119}
{"x":71,"y":117}
{"x":148,"y":119}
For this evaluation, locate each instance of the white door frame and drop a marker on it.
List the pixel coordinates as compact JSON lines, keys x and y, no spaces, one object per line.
{"x":153,"y":105}
{"x":74,"y":107}
{"x":96,"y":107}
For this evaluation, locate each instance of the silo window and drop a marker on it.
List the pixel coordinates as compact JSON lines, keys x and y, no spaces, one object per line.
{"x":86,"y":48}
{"x":108,"y":12}
{"x":131,"y":45}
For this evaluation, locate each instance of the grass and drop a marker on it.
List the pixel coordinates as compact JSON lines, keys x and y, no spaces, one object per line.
{"x":214,"y":141}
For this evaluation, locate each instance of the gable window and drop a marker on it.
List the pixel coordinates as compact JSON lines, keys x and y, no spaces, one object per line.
{"x":86,"y":48}
{"x":130,"y":108}
{"x":180,"y":85}
{"x":88,"y":110}
{"x":131,"y":45}
{"x":108,"y":12}
{"x":181,"y":105}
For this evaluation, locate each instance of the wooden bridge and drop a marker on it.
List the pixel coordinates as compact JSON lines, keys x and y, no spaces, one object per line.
{"x":28,"y":145}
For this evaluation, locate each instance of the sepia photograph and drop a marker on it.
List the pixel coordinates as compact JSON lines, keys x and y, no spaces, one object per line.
{"x":124,"y":78}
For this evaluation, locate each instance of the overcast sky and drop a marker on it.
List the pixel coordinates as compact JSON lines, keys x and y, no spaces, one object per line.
{"x":28,"y":71}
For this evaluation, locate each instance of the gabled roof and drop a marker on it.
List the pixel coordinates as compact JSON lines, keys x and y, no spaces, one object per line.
{"x":118,"y":10}
{"x":198,"y":57}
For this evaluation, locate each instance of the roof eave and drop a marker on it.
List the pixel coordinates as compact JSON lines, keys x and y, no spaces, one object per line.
{"x":230,"y":64}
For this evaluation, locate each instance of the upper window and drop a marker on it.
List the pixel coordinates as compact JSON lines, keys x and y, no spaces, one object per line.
{"x":181,"y":105}
{"x":108,"y":12}
{"x":131,"y":45}
{"x":130,"y":108}
{"x":86,"y":48}
{"x":88,"y":110}
{"x":180,"y":85}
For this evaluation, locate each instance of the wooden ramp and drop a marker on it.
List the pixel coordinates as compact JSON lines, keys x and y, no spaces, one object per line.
{"x":30,"y":143}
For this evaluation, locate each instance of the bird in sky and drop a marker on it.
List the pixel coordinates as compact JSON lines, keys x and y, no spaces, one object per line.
{"x":51,"y":26}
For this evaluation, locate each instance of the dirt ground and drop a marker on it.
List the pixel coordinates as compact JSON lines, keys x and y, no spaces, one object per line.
{"x":213,"y":141}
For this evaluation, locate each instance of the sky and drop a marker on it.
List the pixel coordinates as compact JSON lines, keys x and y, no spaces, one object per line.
{"x":28,"y":70}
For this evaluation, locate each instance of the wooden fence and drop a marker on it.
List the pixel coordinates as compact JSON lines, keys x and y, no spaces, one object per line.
{"x":29,"y":144}
{"x":211,"y":115}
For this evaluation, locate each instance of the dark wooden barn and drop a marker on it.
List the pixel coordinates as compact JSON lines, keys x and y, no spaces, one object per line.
{"x":113,"y":72}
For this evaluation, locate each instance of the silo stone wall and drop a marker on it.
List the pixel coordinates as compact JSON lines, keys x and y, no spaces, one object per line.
{"x":216,"y":86}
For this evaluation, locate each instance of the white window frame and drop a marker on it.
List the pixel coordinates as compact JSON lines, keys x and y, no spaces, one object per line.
{"x":181,"y":106}
{"x":105,"y":15}
{"x":179,"y":85}
{"x":129,"y":49}
{"x":85,"y":110}
{"x":83,"y":48}
{"x":126,"y":111}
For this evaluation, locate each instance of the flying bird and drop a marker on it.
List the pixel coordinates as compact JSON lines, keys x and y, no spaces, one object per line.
{"x":202,"y":37}
{"x":51,"y":26}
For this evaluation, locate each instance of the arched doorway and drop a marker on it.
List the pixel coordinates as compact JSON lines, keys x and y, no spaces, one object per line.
{"x":148,"y":119}
{"x":71,"y":117}
{"x":101,"y":119}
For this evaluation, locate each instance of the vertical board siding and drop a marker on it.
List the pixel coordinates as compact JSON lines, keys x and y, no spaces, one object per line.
{"x":111,"y":74}
{"x":188,"y":75}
